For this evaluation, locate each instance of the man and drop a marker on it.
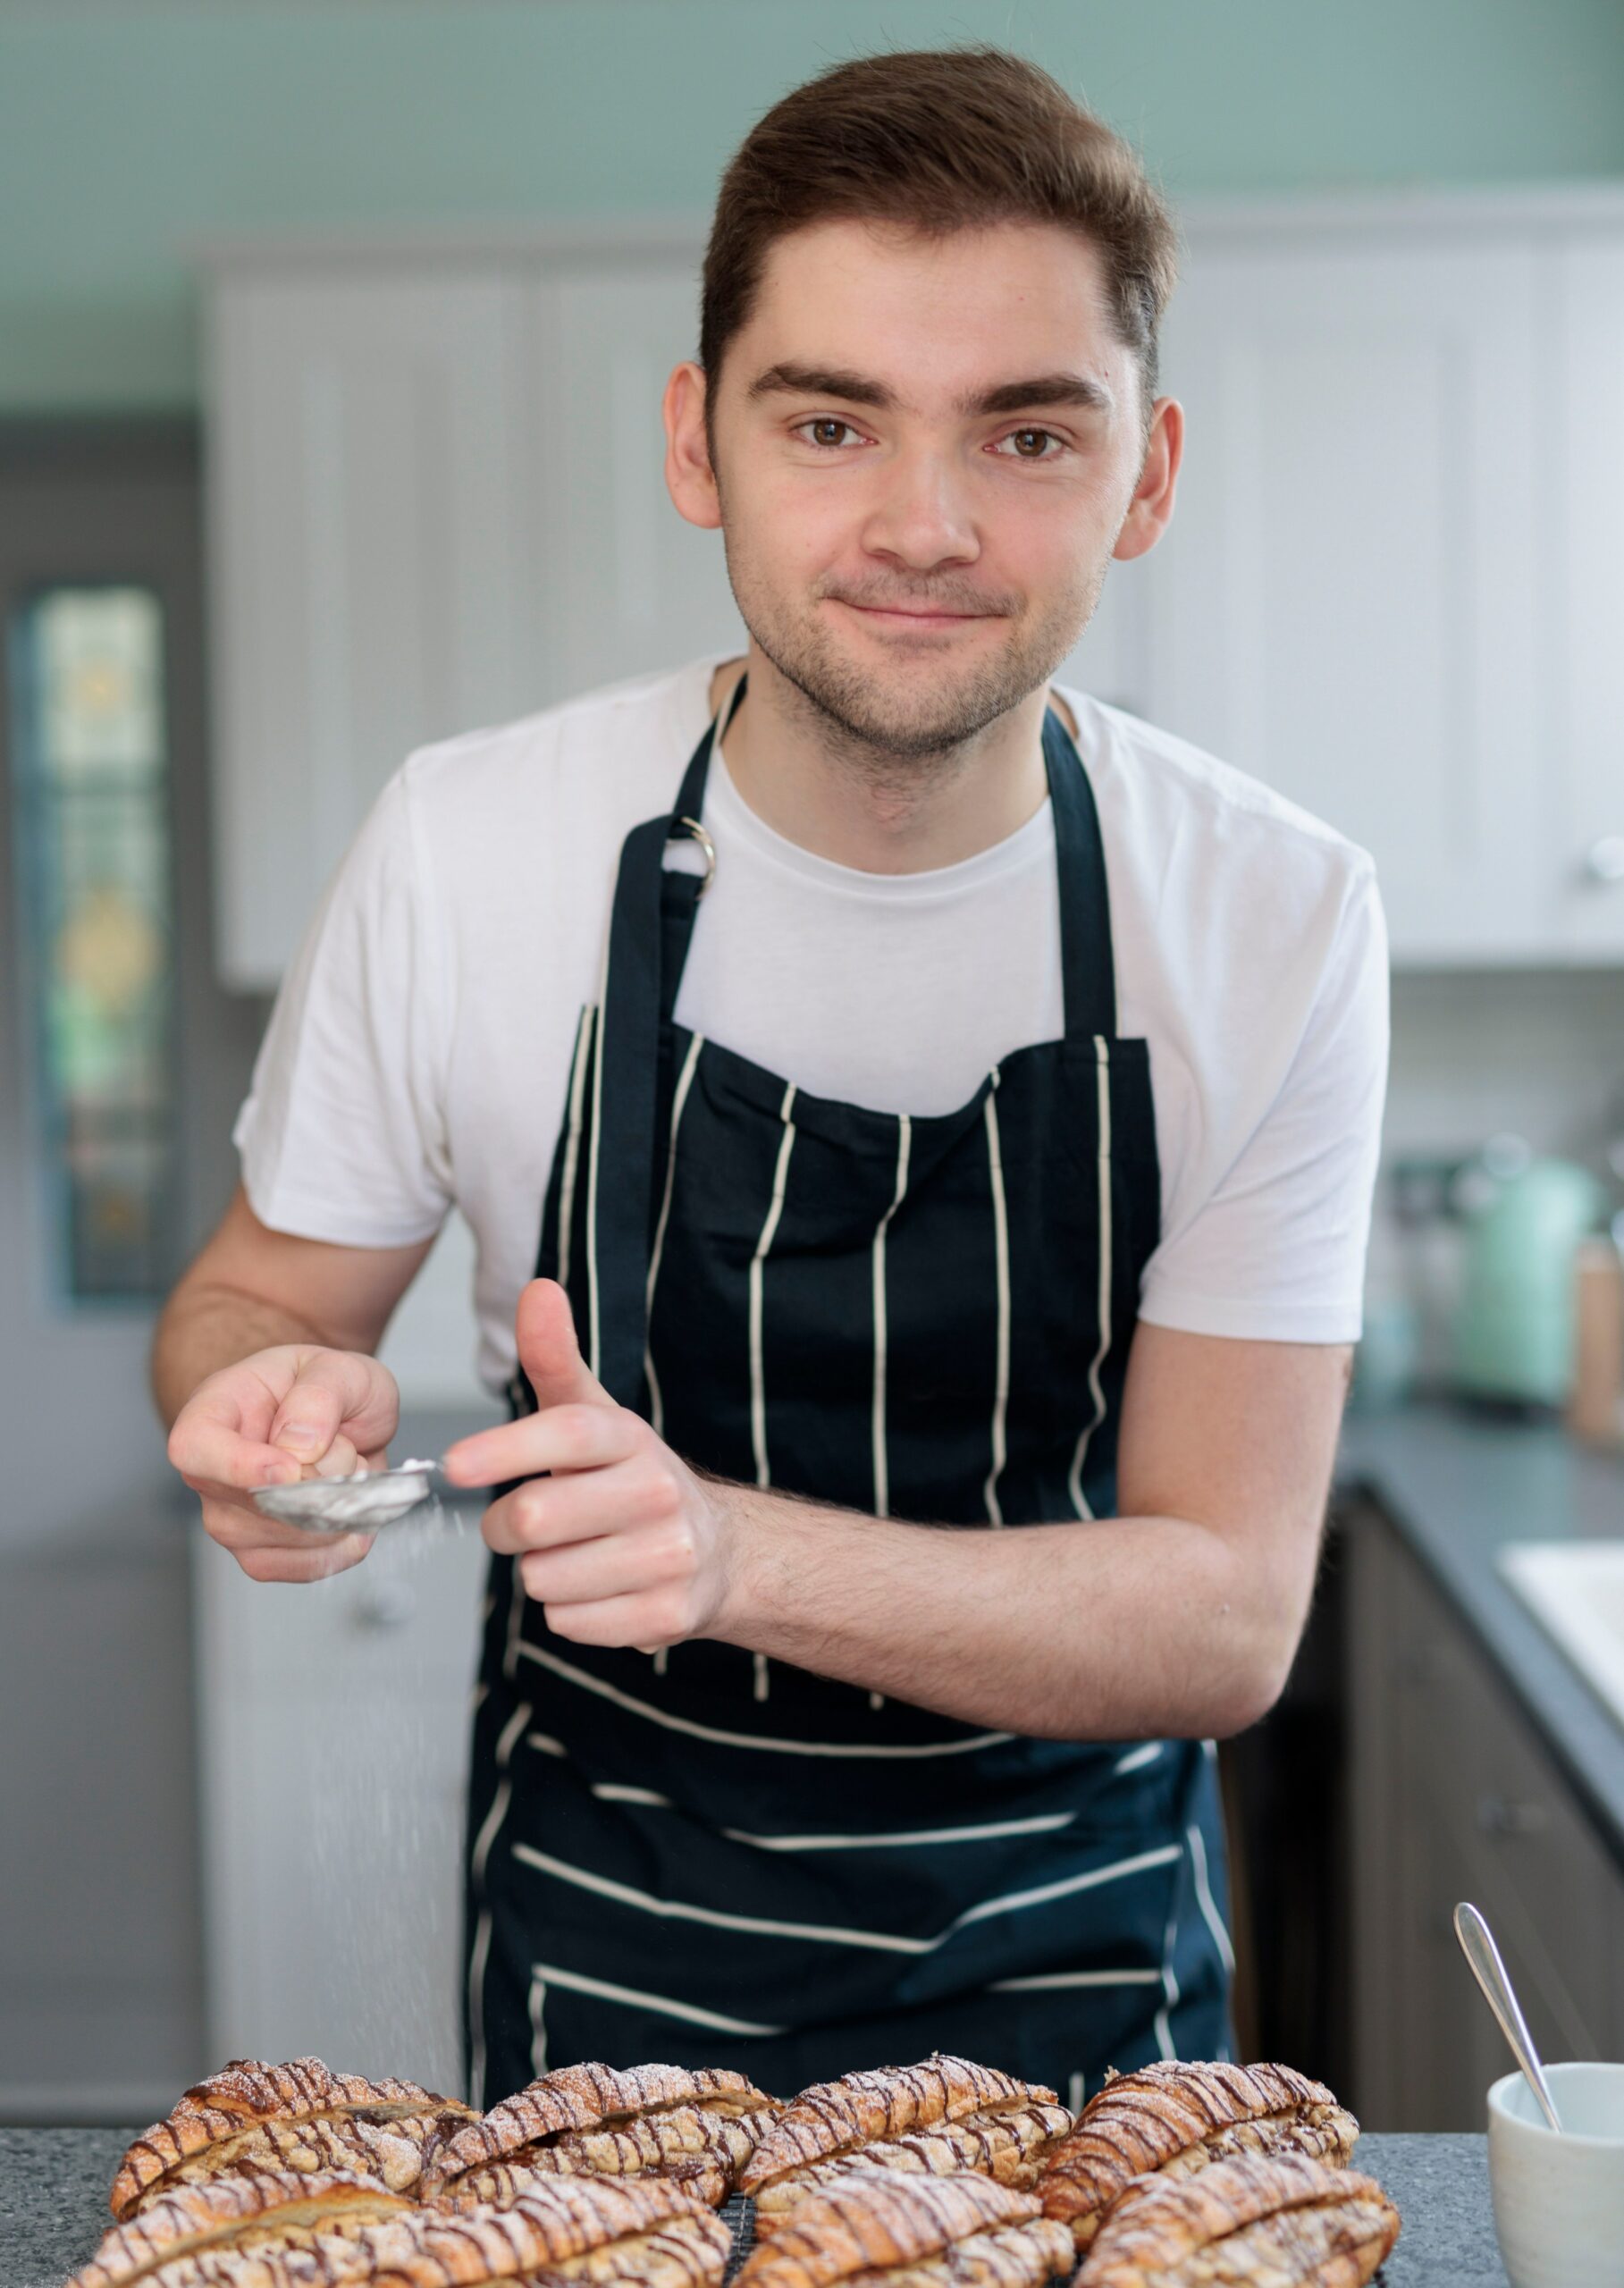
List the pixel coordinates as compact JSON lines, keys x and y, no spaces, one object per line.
{"x":955,"y":1106}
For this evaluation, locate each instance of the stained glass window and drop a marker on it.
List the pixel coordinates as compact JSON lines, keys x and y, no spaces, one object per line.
{"x":90,"y":769}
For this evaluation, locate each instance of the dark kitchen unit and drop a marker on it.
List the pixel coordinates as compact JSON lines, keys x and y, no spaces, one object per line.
{"x":1434,"y":1744}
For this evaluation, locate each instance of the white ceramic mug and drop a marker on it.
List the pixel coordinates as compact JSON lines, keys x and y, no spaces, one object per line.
{"x":1559,"y":2200}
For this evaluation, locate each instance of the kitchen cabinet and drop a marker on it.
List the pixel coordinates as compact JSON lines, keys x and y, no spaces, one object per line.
{"x":101,"y":2001}
{"x":1453,"y":1797}
{"x":334,"y":1742}
{"x":371,"y":578}
{"x":437,"y":502}
{"x":1586,"y":604}
{"x":1345,"y":604}
{"x":1391,"y":590}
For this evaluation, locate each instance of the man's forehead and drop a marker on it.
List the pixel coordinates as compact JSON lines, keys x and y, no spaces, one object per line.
{"x":955,"y":315}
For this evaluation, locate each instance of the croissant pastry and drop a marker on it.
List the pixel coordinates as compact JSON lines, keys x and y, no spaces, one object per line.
{"x":246,"y":2211}
{"x":953,"y":2115}
{"x":1007,"y":2144}
{"x":644,"y":2235}
{"x":884,"y":2225}
{"x":1290,"y":2222}
{"x":697,"y":2127}
{"x":300,"y":2117}
{"x":1177,"y":2118}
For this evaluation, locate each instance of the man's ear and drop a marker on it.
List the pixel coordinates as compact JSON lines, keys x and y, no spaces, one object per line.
{"x":690,"y":479}
{"x":1150,"y":510}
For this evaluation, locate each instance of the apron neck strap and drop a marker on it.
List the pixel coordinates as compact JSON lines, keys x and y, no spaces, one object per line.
{"x":1087,"y":969}
{"x":1087,"y":966}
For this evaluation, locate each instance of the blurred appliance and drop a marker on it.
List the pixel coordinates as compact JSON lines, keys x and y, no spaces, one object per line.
{"x":1513,"y":1330}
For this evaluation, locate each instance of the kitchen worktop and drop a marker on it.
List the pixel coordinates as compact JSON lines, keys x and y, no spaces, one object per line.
{"x":54,"y":2193}
{"x":1459,"y":1487}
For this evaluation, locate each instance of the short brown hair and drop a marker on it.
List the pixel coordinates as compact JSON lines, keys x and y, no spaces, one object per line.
{"x":939,"y":139}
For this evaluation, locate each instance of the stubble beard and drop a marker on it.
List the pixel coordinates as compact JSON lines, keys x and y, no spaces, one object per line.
{"x":898,"y":736}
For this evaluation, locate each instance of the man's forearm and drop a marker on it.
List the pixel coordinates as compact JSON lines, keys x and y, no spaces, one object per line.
{"x":207,"y":1326}
{"x":1115,"y":1629}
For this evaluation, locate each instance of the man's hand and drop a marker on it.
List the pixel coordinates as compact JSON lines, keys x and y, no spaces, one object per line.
{"x":297,"y":1410}
{"x":621,"y":1542}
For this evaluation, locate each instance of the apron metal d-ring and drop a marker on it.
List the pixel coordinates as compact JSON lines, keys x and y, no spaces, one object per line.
{"x":693,"y":827}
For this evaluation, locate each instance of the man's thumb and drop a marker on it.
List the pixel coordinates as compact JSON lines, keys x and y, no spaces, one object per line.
{"x":547,"y":1351}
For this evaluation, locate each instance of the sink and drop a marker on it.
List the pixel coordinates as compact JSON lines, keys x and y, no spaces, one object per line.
{"x":1575,"y":1590}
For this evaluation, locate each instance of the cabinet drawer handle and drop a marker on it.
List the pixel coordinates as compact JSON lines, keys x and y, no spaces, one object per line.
{"x":1500,"y":1815}
{"x":390,"y":1605}
{"x":1605,"y":859}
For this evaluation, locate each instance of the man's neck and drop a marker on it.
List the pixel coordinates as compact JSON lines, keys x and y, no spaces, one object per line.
{"x":878,"y":820}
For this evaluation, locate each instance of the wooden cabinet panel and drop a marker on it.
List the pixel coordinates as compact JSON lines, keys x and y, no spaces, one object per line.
{"x":1455,"y":1798}
{"x":1344,"y":605}
{"x":101,"y":2002}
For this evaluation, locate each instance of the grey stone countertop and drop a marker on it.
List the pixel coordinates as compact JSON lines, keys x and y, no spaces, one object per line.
{"x":1459,"y":1487}
{"x":53,"y":2195}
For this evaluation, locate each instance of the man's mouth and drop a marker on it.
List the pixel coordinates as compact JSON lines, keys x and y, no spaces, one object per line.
{"x":914,"y":614}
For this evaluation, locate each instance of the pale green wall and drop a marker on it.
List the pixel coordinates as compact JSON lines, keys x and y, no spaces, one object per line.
{"x":131,"y":127}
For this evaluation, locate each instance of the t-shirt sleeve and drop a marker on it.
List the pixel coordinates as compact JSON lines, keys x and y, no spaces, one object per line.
{"x":1276,"y":1251}
{"x":342,"y":1137}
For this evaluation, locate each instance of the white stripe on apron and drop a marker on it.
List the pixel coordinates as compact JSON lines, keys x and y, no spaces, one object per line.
{"x":758,"y":1388}
{"x":833,"y":1934}
{"x":882,"y":1474}
{"x":1102,"y":1052}
{"x":1000,"y":1241}
{"x":684,"y":1082}
{"x":575,"y":1983}
{"x":758,"y":1383}
{"x":480,"y":1952}
{"x":674,"y":1723}
{"x":1043,"y":1823}
{"x":538,"y":2027}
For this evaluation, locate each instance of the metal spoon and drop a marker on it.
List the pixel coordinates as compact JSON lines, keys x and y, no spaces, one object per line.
{"x":364,"y":1502}
{"x":1477,"y":1945}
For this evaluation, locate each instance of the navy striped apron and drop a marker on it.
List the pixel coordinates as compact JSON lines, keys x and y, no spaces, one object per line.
{"x":707,"y":1857}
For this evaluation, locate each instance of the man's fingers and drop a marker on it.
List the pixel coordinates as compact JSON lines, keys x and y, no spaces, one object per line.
{"x":611,"y":1565}
{"x":548,"y":1352}
{"x":563,"y":1438}
{"x":544,"y":1512}
{"x":646,"y":1621}
{"x":267,"y":1550}
{"x":209,"y":1449}
{"x":335,"y":1389}
{"x":314,"y":1562}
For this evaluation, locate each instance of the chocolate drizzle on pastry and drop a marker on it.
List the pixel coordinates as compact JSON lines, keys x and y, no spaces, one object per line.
{"x":698,"y":2128}
{"x":884,"y":2225}
{"x":1009,"y":2144}
{"x":1178,"y":2118}
{"x":1290,"y":2222}
{"x":300,"y":2117}
{"x":944,"y":2114}
{"x":647,"y":2235}
{"x":242,"y":2211}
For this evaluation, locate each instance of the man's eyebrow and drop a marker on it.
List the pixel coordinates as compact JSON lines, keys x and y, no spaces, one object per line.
{"x":1043,"y":389}
{"x":1038,"y":391}
{"x":822,"y":381}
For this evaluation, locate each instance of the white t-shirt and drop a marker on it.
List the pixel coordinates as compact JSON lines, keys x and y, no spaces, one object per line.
{"x":417,"y":1059}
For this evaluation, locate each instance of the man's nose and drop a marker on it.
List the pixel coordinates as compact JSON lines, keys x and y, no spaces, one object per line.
{"x":920,"y":516}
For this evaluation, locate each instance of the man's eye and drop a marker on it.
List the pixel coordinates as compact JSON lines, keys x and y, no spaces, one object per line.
{"x":826,"y":432}
{"x":1029,"y":445}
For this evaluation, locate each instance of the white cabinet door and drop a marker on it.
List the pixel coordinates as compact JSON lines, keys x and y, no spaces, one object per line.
{"x":1586,"y":628}
{"x":1345,"y":604}
{"x":372,"y":582}
{"x":334,"y":1748}
{"x":630,"y":585}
